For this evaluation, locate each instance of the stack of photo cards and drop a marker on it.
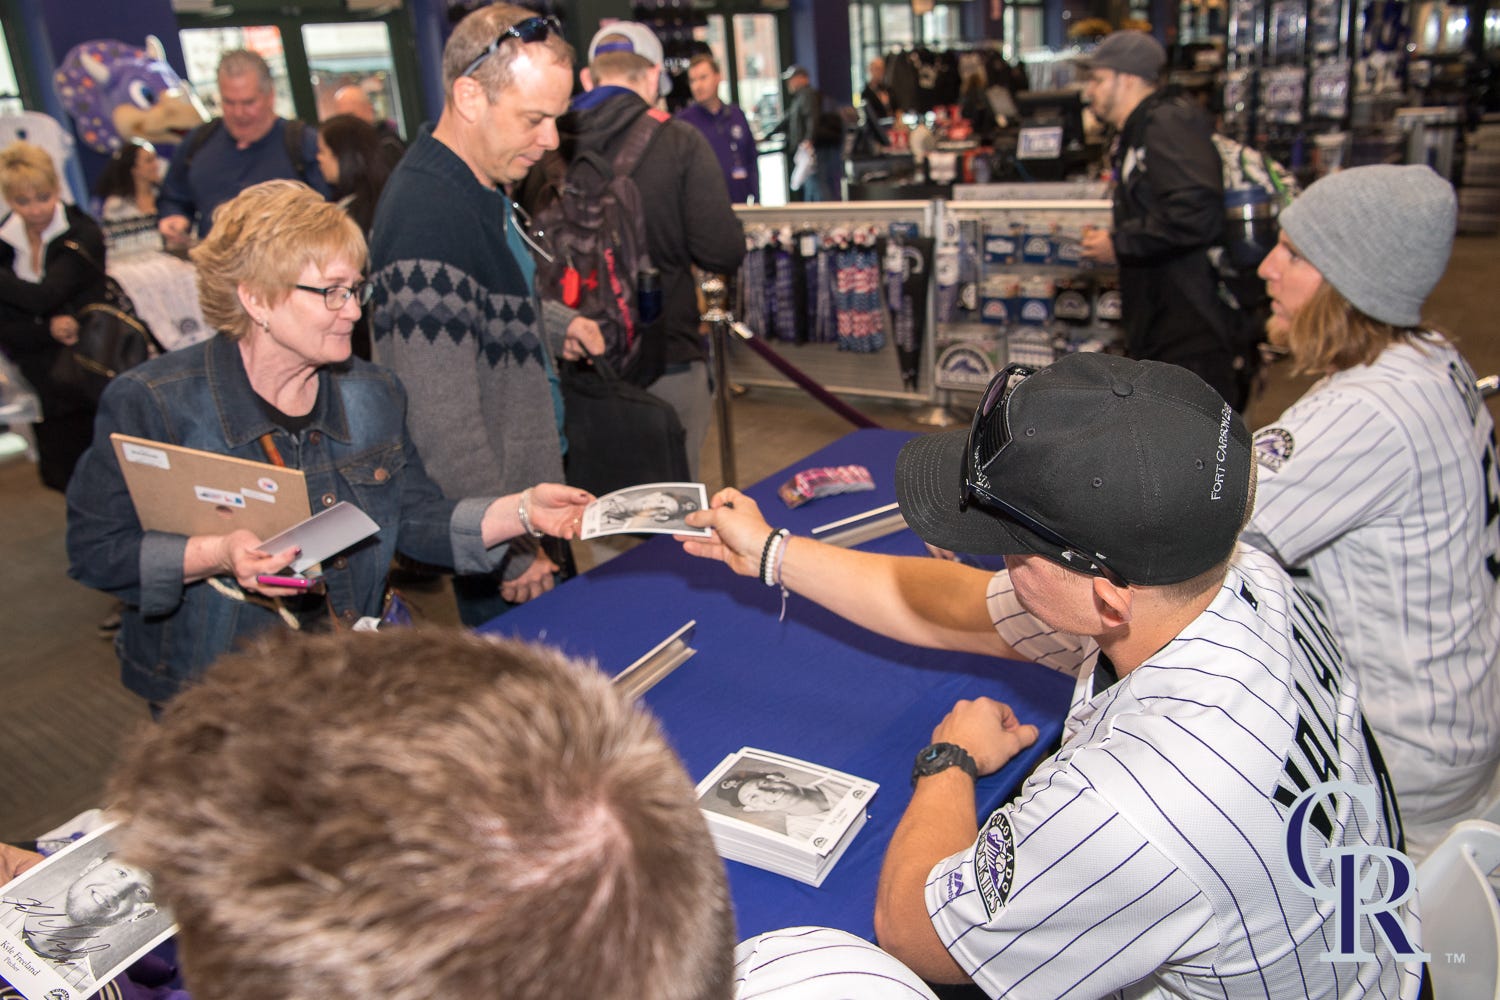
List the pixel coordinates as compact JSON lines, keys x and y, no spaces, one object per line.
{"x":650,"y":508}
{"x":783,"y":814}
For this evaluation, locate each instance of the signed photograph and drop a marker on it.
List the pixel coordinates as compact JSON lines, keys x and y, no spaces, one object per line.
{"x":651,"y":508}
{"x":77,"y":920}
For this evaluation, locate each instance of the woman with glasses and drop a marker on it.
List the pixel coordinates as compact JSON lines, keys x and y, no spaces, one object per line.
{"x":1380,"y":483}
{"x":280,"y":278}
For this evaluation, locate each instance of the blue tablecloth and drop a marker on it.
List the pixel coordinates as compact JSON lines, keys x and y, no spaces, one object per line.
{"x":812,"y":686}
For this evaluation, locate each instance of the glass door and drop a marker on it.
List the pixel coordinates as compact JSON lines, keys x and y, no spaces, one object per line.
{"x":10,"y":88}
{"x":353,"y":55}
{"x":202,"y":47}
{"x":757,"y":73}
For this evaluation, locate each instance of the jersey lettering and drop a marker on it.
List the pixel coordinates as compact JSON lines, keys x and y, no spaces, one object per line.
{"x":1491,"y":508}
{"x":1313,"y":758}
{"x":1462,"y":377}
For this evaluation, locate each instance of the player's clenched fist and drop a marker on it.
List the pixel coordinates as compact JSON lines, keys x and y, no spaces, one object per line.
{"x":988,"y":729}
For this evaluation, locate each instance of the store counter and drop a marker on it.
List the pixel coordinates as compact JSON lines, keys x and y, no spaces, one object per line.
{"x":811,"y":686}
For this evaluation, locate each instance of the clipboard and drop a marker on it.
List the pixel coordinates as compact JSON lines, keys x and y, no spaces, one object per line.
{"x":186,"y":491}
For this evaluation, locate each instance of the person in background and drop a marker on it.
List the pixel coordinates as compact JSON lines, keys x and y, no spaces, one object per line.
{"x":725,"y":127}
{"x":280,"y":277}
{"x":456,"y":314}
{"x":356,"y":168}
{"x":456,"y":816}
{"x":219,"y":159}
{"x":974,"y":105}
{"x":875,"y":108}
{"x":352,"y":100}
{"x":127,"y":187}
{"x":1168,"y":213}
{"x":1380,"y":484}
{"x":51,"y":265}
{"x":805,"y":139}
{"x":351,"y":161}
{"x":689,"y":220}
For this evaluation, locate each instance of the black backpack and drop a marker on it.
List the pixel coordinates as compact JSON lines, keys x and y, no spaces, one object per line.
{"x":591,"y":211}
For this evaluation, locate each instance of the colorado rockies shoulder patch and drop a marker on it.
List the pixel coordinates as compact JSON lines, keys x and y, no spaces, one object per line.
{"x":995,"y":863}
{"x":1273,"y":446}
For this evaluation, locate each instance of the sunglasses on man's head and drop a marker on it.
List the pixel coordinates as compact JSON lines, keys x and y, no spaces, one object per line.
{"x":989,"y":433}
{"x":532,"y":29}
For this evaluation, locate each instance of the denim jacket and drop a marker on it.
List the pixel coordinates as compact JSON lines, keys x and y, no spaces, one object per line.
{"x":354,"y":448}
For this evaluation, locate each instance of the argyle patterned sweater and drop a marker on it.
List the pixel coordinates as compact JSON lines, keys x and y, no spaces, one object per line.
{"x":455,"y":316}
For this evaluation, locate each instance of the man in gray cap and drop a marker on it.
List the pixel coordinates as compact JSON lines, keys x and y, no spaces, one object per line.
{"x":1168,"y":212}
{"x":1180,"y":840}
{"x":1381,"y":483}
{"x":809,"y":130}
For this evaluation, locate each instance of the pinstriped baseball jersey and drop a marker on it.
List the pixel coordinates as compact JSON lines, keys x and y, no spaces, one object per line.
{"x":1148,"y":857}
{"x":820,"y":963}
{"x":1381,"y":483}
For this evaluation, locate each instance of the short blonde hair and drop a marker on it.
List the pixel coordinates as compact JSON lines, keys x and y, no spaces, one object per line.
{"x":263,"y":239}
{"x":27,"y":167}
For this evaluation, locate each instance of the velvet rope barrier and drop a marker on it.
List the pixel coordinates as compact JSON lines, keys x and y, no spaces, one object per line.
{"x":807,"y":384}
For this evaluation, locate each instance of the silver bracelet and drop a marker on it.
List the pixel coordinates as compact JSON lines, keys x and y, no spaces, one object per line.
{"x":524,"y":516}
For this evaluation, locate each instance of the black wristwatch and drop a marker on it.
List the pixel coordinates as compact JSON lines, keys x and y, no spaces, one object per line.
{"x":940,"y":757}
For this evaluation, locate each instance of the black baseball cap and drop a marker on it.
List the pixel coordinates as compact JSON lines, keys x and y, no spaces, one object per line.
{"x":1137,"y":467}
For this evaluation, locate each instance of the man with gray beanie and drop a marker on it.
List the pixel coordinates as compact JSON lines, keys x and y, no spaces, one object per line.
{"x":1168,"y":212}
{"x":1381,"y":485}
{"x":1149,"y":855}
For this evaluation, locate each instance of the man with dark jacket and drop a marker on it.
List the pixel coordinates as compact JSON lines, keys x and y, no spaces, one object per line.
{"x":807,"y":128}
{"x":1168,"y":212}
{"x":689,"y":220}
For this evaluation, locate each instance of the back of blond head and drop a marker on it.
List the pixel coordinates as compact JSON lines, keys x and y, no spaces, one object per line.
{"x":419,"y":814}
{"x":27,"y":167}
{"x":263,"y":238}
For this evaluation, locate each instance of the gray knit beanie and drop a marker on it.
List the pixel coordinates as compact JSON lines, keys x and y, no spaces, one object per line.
{"x":1380,"y":235}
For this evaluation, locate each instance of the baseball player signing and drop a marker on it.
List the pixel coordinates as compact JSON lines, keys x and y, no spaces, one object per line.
{"x":1185,"y":840}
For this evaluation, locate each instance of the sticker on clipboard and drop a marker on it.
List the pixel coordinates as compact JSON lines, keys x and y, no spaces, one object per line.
{"x":221,"y":498}
{"x":142,"y":455}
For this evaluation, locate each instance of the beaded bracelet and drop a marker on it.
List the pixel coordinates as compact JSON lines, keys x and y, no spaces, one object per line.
{"x":524,"y":517}
{"x":765,"y":555}
{"x":780,"y":558}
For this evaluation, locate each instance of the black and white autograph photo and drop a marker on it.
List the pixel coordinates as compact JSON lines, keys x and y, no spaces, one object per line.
{"x":781,"y":794}
{"x":651,"y":508}
{"x":77,"y":920}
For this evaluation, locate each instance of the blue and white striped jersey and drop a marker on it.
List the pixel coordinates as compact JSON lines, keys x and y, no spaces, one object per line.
{"x":1149,"y":857}
{"x":820,"y":963}
{"x":1381,"y":484}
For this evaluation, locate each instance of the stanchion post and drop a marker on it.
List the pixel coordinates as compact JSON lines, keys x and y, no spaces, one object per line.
{"x":718,"y":317}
